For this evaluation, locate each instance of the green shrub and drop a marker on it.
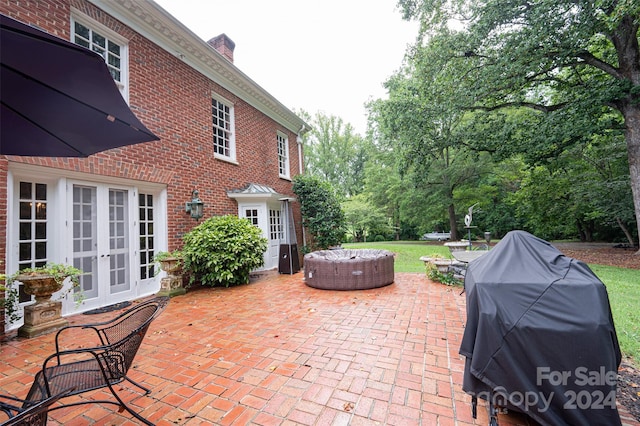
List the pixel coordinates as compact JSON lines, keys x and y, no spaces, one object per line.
{"x":379,"y":238}
{"x":447,"y":278}
{"x":223,"y":250}
{"x":321,"y":212}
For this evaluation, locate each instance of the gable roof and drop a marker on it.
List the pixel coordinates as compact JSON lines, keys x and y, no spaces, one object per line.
{"x":157,"y":25}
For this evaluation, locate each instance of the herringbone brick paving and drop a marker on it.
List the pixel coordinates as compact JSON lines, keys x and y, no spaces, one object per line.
{"x":276,"y":352}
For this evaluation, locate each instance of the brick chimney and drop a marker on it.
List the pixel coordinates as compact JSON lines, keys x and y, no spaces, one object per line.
{"x":224,"y":45}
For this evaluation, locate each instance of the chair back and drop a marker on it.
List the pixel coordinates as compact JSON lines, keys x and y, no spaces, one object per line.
{"x":118,"y":357}
{"x":122,"y":337}
{"x":125,"y":335}
{"x":133,"y":319}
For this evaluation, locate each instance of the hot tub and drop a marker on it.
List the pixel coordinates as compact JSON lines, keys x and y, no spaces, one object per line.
{"x":348,"y":269}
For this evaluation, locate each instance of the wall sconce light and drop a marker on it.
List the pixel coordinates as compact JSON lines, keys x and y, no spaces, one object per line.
{"x":195,"y":207}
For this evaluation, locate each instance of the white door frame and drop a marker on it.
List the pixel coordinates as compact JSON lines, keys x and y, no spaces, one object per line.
{"x":257,"y":213}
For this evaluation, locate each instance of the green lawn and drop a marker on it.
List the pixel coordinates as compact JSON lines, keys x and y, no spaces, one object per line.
{"x":408,"y":253}
{"x":624,"y":298}
{"x":622,"y":286}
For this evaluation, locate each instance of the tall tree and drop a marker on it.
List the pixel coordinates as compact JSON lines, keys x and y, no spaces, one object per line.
{"x":335,"y":153}
{"x":587,"y":187}
{"x":423,"y":121}
{"x":394,"y":194}
{"x":363,"y":220}
{"x":573,"y":61}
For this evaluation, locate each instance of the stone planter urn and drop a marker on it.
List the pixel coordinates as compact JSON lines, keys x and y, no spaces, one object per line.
{"x":171,"y":265}
{"x":440,"y":263}
{"x":40,"y":286}
{"x":171,"y":285}
{"x":457,"y":245}
{"x":45,"y":315}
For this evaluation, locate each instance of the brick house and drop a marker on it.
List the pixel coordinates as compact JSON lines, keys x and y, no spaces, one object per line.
{"x":220,"y":134}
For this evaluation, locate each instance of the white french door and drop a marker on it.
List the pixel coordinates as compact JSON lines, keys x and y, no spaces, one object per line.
{"x":256,"y":213}
{"x":268,"y":219}
{"x":102,"y":242}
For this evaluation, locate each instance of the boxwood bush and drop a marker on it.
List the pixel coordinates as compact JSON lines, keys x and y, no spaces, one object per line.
{"x":223,"y":250}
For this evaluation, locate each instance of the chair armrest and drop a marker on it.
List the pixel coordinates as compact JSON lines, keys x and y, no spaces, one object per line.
{"x":12,"y":398}
{"x":106,"y":356}
{"x":35,"y":412}
{"x":77,"y":368}
{"x":9,"y":409}
{"x":90,"y":328}
{"x":77,"y":354}
{"x":100,"y":328}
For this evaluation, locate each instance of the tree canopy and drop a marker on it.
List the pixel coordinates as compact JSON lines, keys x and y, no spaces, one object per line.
{"x":528,"y":110}
{"x":541,"y":77}
{"x":335,"y":153}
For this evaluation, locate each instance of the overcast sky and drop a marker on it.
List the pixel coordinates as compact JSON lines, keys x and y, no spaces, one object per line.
{"x":318,"y":55}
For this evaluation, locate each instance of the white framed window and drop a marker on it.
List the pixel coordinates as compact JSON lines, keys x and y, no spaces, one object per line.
{"x":146,"y":220}
{"x":94,"y":36}
{"x":222,"y":115}
{"x":252,"y":216}
{"x":33,"y":242}
{"x":32,"y":224}
{"x":275,"y":225}
{"x":283,"y":155}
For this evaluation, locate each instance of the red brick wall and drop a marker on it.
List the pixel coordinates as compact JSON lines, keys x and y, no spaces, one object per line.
{"x":174,"y":102}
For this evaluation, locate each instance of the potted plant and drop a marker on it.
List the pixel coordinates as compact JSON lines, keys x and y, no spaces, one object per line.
{"x":46,"y":314}
{"x":43,"y":281}
{"x":172,"y":263}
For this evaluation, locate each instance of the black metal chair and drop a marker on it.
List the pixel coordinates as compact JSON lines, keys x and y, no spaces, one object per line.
{"x":31,"y":413}
{"x":100,"y":366}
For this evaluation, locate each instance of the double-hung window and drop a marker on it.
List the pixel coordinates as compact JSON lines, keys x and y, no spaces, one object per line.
{"x":283,"y":155}
{"x":107,"y":44}
{"x":223,"y":132}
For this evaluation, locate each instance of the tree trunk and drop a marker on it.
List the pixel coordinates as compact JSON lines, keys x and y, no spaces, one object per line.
{"x":625,"y":40}
{"x":397,"y":222}
{"x":631,"y":115}
{"x":452,"y":222}
{"x":626,"y":231}
{"x":581,"y":232}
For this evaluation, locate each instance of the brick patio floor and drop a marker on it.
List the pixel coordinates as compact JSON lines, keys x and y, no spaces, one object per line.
{"x":277,"y":352}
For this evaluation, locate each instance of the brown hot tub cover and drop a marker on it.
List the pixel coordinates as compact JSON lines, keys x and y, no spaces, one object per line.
{"x":348,"y":269}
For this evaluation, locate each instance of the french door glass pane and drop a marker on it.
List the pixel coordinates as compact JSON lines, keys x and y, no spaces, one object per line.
{"x":85,"y":238}
{"x":145,"y":213}
{"x":32,"y":225}
{"x":118,"y":240}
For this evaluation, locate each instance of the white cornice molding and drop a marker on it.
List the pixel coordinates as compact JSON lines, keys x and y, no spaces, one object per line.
{"x":154,"y":23}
